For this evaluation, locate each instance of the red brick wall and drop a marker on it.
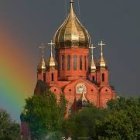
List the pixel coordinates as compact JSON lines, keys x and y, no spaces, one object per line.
{"x":72,"y":74}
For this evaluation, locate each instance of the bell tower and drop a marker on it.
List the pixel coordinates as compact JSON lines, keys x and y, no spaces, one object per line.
{"x":41,"y":68}
{"x":52,"y":72}
{"x":102,"y":69}
{"x":92,"y":72}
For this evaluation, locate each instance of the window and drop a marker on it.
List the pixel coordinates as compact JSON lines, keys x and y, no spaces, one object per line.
{"x":93,"y":78}
{"x":85,"y":63}
{"x":68,"y":62}
{"x":62,"y":62}
{"x":80,"y":62}
{"x":103,"y":77}
{"x":44,"y":77}
{"x":52,"y":77}
{"x":75,"y":62}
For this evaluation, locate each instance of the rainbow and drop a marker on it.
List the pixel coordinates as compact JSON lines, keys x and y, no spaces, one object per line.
{"x":16,"y":75}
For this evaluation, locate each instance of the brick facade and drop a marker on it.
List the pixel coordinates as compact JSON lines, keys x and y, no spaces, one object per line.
{"x":64,"y":78}
{"x":71,"y":73}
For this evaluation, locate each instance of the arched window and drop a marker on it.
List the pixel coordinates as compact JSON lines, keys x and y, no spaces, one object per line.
{"x":81,"y":62}
{"x":62,"y":62}
{"x":85,"y":63}
{"x":44,"y":77}
{"x":103,"y":77}
{"x":93,"y":78}
{"x":52,"y":77}
{"x":68,"y":62}
{"x":75,"y":62}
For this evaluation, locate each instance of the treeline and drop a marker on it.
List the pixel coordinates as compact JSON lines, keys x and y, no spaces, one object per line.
{"x":9,"y":129}
{"x":120,"y":120}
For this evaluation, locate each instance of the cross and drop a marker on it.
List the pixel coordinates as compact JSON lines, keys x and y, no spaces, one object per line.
{"x":42,"y":47}
{"x":71,"y":1}
{"x":51,"y":44}
{"x":92,"y":48}
{"x":101,"y":44}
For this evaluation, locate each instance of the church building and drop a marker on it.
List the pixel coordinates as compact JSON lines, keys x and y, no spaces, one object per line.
{"x":71,"y":68}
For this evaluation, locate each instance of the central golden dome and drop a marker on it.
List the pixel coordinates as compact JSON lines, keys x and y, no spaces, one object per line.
{"x":72,"y":33}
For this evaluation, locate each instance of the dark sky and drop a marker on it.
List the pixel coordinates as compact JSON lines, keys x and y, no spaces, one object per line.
{"x":116,"y":22}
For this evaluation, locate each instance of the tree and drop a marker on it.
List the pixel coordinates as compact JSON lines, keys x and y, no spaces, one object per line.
{"x":122,"y":121}
{"x":9,"y":130}
{"x":119,"y":121}
{"x":116,"y":125}
{"x":82,"y":125}
{"x":44,"y":115}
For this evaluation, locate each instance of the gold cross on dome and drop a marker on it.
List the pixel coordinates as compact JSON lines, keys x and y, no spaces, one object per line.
{"x":71,"y":1}
{"x":42,"y":47}
{"x":51,"y":44}
{"x":101,"y":44}
{"x":92,"y":48}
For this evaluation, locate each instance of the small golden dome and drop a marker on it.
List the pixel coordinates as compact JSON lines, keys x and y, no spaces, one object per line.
{"x":92,"y":63}
{"x":42,"y":64}
{"x":92,"y":66}
{"x":72,"y":33}
{"x":102,"y":62}
{"x":52,"y":62}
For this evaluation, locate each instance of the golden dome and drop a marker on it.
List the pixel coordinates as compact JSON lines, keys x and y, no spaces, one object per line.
{"x":42,"y":64}
{"x":52,"y":62}
{"x":92,"y":63}
{"x":72,"y":33}
{"x":102,"y":62}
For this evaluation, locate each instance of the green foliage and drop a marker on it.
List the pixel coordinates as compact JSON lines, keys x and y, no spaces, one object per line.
{"x":130,"y":119}
{"x":122,"y":121}
{"x":44,"y":114}
{"x":62,"y":104}
{"x":119,"y":121}
{"x":116,"y":125}
{"x":83,"y":124}
{"x":9,"y":130}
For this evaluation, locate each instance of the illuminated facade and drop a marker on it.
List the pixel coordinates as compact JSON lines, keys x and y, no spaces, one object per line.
{"x":71,"y":69}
